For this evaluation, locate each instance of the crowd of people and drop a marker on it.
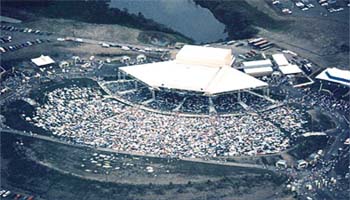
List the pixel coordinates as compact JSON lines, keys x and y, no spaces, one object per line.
{"x":116,"y":87}
{"x":325,"y":101}
{"x":196,"y":104}
{"x":289,"y":119}
{"x":83,"y":115}
{"x":227,"y":103}
{"x":255,"y":102}
{"x":190,"y":103}
{"x":166,"y":101}
{"x":142,"y":94}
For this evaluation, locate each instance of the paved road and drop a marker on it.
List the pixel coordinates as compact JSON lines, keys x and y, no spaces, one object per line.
{"x":23,"y":37}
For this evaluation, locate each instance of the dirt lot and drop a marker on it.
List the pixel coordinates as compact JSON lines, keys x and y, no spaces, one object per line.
{"x":64,"y":27}
{"x":311,"y":33}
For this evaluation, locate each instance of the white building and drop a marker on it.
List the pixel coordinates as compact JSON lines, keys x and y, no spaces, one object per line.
{"x":290,"y":69}
{"x":43,"y":61}
{"x":257,"y":63}
{"x":259,"y":71}
{"x":258,"y":67}
{"x":280,"y":60}
{"x":284,"y":66}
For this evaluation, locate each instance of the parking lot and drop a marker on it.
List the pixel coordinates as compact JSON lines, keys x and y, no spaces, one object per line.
{"x":311,"y":8}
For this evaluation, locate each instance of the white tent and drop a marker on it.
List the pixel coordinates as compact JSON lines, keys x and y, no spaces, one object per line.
{"x":229,"y":79}
{"x":258,"y":71}
{"x":197,"y":78}
{"x":284,"y":66}
{"x":335,"y":75}
{"x":257,"y":63}
{"x":196,"y":68}
{"x":42,"y":61}
{"x":205,"y":56}
{"x":290,"y":69}
{"x":280,"y":60}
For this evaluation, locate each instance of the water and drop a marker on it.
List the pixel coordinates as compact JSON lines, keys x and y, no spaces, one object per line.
{"x":183,"y":16}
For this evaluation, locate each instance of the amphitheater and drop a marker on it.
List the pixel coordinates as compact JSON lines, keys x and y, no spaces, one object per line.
{"x":189,"y":108}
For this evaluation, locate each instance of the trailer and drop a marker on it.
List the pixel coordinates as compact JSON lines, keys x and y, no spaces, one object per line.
{"x":254,"y":40}
{"x":270,"y":45}
{"x":261,"y":43}
{"x":266,"y":48}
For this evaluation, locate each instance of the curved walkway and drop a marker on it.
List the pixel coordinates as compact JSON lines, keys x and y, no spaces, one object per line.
{"x":197,"y":160}
{"x":126,"y":102}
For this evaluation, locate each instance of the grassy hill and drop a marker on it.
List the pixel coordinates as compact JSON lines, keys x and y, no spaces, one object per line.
{"x":90,"y":11}
{"x":239,"y":17}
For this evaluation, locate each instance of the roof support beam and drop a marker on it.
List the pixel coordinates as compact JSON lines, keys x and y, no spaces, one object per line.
{"x":211,"y":105}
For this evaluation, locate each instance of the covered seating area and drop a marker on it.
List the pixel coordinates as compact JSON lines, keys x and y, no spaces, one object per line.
{"x":204,"y":72}
{"x":335,"y":81}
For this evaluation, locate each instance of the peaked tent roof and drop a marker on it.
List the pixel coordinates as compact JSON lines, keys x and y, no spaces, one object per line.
{"x":197,"y":78}
{"x":196,"y":68}
{"x":229,"y":79}
{"x":335,"y":75}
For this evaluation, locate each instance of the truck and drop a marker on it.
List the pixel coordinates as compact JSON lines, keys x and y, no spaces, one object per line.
{"x":79,"y":40}
{"x":105,"y":45}
{"x":6,"y":194}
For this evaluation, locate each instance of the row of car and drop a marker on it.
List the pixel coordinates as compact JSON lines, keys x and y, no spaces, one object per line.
{"x":9,"y":195}
{"x":130,"y":48}
{"x":15,"y":47}
{"x":283,"y":9}
{"x":331,"y":5}
{"x":304,"y":5}
{"x":5,"y":39}
{"x":24,"y":30}
{"x":248,"y":55}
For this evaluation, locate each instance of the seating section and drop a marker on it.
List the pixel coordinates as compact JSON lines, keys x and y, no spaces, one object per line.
{"x":227,"y":103}
{"x":166,"y":101}
{"x":196,"y":104}
{"x":255,"y":102}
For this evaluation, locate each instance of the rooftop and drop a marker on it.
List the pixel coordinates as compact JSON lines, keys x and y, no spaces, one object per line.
{"x":335,"y":75}
{"x":188,"y":73}
{"x":42,"y":60}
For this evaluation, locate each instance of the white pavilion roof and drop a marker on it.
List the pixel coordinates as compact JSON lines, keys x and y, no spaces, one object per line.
{"x":196,"y":68}
{"x":335,"y":75}
{"x":197,"y":78}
